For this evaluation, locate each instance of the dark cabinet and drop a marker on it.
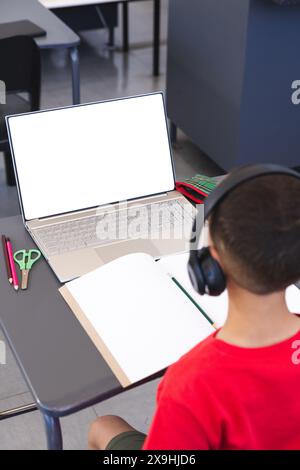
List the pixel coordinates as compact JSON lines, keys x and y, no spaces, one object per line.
{"x":233,"y":79}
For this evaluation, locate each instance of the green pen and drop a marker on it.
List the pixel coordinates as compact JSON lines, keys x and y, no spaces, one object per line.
{"x":194,"y":302}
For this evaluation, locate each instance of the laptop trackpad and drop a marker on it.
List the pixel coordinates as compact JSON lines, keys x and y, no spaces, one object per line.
{"x":109,"y":253}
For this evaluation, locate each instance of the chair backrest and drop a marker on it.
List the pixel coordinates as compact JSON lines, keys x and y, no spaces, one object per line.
{"x":20,"y":67}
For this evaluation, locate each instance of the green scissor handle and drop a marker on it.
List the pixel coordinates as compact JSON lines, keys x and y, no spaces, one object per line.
{"x":26,"y":258}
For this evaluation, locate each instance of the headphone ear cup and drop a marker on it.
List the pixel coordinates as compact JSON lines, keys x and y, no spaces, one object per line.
{"x":195,"y":272}
{"x":214,"y":277}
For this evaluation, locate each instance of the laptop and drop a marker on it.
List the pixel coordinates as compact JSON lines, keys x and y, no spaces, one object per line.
{"x":96,"y":181}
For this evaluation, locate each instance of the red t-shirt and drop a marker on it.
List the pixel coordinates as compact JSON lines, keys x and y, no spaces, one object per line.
{"x":220,"y":396}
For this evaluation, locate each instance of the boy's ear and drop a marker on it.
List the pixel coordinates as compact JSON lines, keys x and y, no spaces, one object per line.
{"x":214,"y":253}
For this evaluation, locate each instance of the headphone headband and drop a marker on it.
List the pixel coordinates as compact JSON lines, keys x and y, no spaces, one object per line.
{"x":240,"y":176}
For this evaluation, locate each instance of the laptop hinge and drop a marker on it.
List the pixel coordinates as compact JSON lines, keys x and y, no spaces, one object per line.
{"x":36,"y":223}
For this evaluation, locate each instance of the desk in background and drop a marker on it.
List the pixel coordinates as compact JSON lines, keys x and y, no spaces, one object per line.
{"x":61,"y":7}
{"x":81,"y":15}
{"x":59,"y":36}
{"x":231,"y":66}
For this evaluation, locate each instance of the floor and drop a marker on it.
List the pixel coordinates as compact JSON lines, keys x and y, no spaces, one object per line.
{"x":104,"y":74}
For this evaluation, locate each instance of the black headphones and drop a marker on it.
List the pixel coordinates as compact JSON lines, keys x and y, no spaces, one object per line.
{"x":205,"y":272}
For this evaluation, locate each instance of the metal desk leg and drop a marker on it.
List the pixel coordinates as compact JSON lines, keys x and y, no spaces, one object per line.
{"x":53,"y":433}
{"x":111,"y":38}
{"x":125,"y":27}
{"x":111,"y":29}
{"x":74,"y":55}
{"x":156,"y":36}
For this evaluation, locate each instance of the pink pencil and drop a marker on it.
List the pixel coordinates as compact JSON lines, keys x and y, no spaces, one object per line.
{"x":12,"y":264}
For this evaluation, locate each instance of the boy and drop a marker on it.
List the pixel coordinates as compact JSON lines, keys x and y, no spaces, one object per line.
{"x":239,"y":388}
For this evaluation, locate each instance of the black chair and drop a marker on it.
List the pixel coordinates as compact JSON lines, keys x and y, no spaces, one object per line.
{"x":20,"y":70}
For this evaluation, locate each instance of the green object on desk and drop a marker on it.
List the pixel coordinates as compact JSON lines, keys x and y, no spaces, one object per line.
{"x":26,"y":259}
{"x":194,"y":302}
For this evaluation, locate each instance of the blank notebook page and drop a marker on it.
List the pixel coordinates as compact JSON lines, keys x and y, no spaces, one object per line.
{"x":141,"y":316}
{"x":215,"y":307}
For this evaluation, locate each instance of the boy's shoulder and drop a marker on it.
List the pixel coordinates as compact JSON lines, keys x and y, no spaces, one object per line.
{"x":214,"y":366}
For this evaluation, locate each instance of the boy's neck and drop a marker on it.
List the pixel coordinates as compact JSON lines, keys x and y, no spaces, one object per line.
{"x":257,"y":320}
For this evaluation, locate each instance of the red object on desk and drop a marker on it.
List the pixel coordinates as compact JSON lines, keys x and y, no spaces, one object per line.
{"x":6,"y":258}
{"x":12,"y":264}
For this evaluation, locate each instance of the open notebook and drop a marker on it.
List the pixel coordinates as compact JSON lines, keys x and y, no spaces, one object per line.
{"x":138,"y":318}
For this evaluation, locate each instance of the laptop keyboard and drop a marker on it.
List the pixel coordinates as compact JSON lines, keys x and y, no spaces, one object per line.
{"x":148,"y":221}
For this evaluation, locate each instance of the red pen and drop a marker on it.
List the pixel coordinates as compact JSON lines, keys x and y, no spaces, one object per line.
{"x":7,"y":263}
{"x":12,"y":264}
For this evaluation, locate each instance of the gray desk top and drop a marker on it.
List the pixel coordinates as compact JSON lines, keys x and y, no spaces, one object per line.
{"x":58,"y":34}
{"x":62,"y":367}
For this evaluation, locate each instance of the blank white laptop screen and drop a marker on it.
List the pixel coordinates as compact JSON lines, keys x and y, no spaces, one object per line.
{"x":80,"y":157}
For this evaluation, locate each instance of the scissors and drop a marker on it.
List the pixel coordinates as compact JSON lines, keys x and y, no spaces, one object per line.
{"x":26,"y":259}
